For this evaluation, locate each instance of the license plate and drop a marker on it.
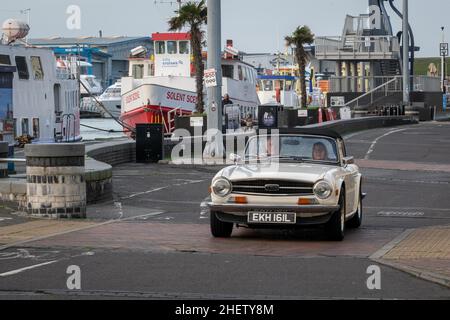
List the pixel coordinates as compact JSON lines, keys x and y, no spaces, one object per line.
{"x":272,"y":217}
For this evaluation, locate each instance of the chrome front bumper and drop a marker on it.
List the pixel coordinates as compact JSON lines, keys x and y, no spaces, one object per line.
{"x":244,"y":209}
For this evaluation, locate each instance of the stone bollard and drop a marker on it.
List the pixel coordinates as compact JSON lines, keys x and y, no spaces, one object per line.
{"x":4,"y":151}
{"x":56,"y":185}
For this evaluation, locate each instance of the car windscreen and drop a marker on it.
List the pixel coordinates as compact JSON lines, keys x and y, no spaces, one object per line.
{"x":293,"y":148}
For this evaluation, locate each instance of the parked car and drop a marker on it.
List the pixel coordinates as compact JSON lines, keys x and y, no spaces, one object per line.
{"x":295,"y":178}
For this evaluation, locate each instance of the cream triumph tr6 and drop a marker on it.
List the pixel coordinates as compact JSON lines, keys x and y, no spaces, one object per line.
{"x":292,"y":179}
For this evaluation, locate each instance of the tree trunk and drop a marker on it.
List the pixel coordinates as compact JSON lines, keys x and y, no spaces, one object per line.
{"x":301,"y":58}
{"x":196,"y":40}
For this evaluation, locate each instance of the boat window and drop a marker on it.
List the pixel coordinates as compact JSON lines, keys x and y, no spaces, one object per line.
{"x":22,"y":68}
{"x":228,"y":71}
{"x":25,"y":127}
{"x":36,"y":127}
{"x":246,"y":76}
{"x":5,"y":59}
{"x":160,"y":47}
{"x":289,"y":85}
{"x":240,"y":74}
{"x":279,"y":85}
{"x":184,"y":47}
{"x":138,"y":71}
{"x":172,"y":47}
{"x":36,"y":65}
{"x":267,"y":85}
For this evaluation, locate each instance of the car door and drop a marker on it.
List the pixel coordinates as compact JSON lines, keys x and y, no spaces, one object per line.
{"x":351,"y":179}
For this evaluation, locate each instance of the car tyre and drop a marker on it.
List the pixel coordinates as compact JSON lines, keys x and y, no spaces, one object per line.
{"x":220,"y":229}
{"x":335,"y":228}
{"x":356,"y":221}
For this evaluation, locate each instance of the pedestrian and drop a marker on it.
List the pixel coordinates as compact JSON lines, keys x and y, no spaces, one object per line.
{"x":226,"y":100}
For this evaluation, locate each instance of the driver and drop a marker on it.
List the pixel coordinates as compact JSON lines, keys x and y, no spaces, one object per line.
{"x":319,"y":152}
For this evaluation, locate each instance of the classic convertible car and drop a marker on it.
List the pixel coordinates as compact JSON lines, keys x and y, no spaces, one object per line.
{"x":296,"y":178}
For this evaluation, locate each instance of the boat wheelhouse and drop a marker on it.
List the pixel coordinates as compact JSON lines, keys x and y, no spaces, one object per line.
{"x":163,"y":85}
{"x":278,"y":89}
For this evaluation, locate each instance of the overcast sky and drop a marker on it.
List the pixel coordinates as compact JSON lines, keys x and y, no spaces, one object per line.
{"x":254,"y":25}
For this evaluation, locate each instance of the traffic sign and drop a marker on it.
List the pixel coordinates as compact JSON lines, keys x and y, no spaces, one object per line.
{"x":210,"y":76}
{"x":444,"y":49}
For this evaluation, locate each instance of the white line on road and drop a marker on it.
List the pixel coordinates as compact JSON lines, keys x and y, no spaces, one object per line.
{"x":374,"y":143}
{"x":14,"y":272}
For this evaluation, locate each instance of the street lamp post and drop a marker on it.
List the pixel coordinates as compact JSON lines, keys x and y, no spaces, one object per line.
{"x":444,"y":54}
{"x":215,"y":62}
{"x":405,"y":54}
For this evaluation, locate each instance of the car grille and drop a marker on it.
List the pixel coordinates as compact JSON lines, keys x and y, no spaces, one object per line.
{"x":272,"y":187}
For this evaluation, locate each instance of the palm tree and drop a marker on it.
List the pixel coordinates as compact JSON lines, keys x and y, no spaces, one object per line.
{"x":193,"y":16}
{"x":300,"y":37}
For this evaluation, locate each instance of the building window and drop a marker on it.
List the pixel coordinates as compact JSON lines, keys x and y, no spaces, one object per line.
{"x":22,"y":68}
{"x":172,"y":47}
{"x":228,"y":71}
{"x":5,"y":59}
{"x":160,"y":47}
{"x":25,"y":127}
{"x":184,"y":47}
{"x":138,"y":71}
{"x":241,"y":76}
{"x":36,"y":65}
{"x":36,"y":128}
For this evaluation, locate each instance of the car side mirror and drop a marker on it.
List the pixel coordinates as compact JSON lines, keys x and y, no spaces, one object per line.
{"x":235,"y":158}
{"x":348,"y":160}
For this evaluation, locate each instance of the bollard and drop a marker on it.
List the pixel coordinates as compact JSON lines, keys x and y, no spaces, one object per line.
{"x":56,"y":186}
{"x":4,"y":149}
{"x":11,"y":165}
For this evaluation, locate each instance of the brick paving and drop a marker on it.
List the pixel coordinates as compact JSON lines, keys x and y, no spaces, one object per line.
{"x":424,"y":250}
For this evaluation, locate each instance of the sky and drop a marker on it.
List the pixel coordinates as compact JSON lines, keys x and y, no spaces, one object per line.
{"x":254,"y":25}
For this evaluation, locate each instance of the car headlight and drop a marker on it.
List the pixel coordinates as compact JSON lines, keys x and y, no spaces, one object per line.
{"x":323,"y":190}
{"x":221,"y":187}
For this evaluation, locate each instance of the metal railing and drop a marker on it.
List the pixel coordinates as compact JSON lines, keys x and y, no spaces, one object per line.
{"x":385,"y":45}
{"x":365,"y":84}
{"x":392,"y":86}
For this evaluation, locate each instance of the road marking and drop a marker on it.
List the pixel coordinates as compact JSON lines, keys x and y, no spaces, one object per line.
{"x":160,"y":189}
{"x":14,"y":272}
{"x":11,"y":245}
{"x":407,"y":209}
{"x":400,"y":214}
{"x":374,"y":143}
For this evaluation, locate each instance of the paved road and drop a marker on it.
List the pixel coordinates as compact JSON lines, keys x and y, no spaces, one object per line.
{"x":159,"y":246}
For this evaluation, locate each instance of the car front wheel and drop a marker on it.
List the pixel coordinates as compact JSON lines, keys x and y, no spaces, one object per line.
{"x":335,"y":228}
{"x":220,"y":229}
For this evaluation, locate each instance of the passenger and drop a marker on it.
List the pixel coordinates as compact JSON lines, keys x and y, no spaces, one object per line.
{"x":319,"y":152}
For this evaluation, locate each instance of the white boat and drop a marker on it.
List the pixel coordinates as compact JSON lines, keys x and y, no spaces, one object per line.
{"x":111,"y":99}
{"x":160,"y":86}
{"x":278,"y":89}
{"x":37,"y":98}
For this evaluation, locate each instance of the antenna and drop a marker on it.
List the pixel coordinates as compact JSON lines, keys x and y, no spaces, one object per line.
{"x":180,"y":2}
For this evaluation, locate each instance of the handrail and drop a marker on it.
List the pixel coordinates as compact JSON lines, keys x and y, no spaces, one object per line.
{"x":12,"y":160}
{"x":372,"y":91}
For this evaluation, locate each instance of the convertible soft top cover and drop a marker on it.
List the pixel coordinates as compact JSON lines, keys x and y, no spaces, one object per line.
{"x":306,"y":131}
